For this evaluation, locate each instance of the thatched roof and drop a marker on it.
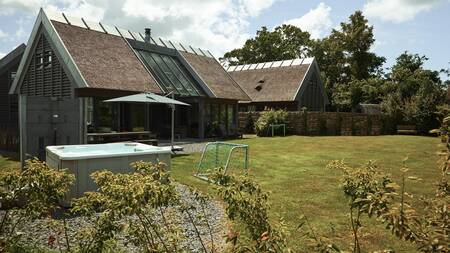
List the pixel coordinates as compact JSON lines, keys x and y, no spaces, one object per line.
{"x":271,"y":84}
{"x":215,"y":77}
{"x":104,"y":60}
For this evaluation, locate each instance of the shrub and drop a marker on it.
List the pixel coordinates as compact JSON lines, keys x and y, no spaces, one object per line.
{"x":426,"y":224}
{"x":249,"y":123}
{"x":248,"y":204}
{"x":27,"y":195}
{"x":266,"y":118}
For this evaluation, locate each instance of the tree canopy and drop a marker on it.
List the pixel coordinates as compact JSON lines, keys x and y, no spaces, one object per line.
{"x":283,"y":43}
{"x":352,"y":72}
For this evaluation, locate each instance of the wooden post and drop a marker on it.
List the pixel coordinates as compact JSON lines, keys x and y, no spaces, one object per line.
{"x":22,"y":128}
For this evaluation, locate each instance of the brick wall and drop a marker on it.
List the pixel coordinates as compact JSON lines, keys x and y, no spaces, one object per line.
{"x":326,"y":123}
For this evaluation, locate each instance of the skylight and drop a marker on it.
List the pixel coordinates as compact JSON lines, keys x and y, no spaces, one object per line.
{"x":169,"y":72}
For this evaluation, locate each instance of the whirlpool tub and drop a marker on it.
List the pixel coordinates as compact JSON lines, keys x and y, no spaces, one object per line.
{"x":82,"y":160}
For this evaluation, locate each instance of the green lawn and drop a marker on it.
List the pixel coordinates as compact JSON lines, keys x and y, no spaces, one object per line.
{"x":293,"y":170}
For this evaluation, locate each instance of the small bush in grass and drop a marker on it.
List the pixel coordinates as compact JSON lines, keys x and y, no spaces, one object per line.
{"x":248,"y":204}
{"x":269,"y":117}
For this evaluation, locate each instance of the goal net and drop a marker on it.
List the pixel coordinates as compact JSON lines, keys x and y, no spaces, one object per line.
{"x":231,"y":157}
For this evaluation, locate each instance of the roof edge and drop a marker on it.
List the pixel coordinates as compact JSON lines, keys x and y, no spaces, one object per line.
{"x":303,"y":79}
{"x":11,"y":56}
{"x":142,"y":63}
{"x":232,"y":79}
{"x":67,"y":59}
{"x":202,"y":82}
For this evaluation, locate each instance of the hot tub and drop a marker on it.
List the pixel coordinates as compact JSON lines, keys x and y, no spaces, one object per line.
{"x":82,"y":160}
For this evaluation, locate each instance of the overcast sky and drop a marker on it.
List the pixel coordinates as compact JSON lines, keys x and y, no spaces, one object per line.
{"x":419,"y":26}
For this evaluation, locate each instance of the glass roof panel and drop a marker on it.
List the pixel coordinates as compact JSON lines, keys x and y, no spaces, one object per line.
{"x":170,"y":73}
{"x":177,"y":69}
{"x":156,"y":71}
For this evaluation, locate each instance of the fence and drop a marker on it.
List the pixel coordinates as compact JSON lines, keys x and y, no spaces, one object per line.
{"x":9,"y":138}
{"x":327,"y":123}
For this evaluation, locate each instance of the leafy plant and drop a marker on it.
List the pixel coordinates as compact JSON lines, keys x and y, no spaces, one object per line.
{"x":249,"y":123}
{"x":377,"y":195}
{"x":269,"y":117}
{"x":29,"y":194}
{"x":247,"y":203}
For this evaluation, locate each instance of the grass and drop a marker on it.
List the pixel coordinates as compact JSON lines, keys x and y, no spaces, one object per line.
{"x":8,"y":164}
{"x":293,"y":170}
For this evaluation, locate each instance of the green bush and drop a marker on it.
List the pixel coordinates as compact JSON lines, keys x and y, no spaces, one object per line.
{"x":249,"y":123}
{"x":266,"y":118}
{"x":26,"y":195}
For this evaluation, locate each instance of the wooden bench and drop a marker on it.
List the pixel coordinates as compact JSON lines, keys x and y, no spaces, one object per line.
{"x":406,"y":129}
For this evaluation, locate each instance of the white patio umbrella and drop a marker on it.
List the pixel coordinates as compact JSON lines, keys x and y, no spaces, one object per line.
{"x":152,"y":98}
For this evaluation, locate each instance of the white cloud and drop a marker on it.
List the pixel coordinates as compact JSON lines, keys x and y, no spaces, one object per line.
{"x":2,"y":55}
{"x":11,"y":6}
{"x":397,"y":11}
{"x":218,"y":25}
{"x":316,"y":21}
{"x":255,"y":7}
{"x":3,"y":34}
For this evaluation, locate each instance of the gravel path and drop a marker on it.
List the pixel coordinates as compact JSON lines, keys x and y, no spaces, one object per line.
{"x":38,"y":232}
{"x":188,"y":148}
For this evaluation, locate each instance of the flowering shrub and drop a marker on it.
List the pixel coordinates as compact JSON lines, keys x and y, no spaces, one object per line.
{"x":269,"y":117}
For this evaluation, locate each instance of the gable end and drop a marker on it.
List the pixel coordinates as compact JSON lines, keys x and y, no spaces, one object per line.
{"x":44,"y":75}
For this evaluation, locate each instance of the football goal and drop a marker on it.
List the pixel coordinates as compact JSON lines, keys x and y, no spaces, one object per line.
{"x":231,"y":157}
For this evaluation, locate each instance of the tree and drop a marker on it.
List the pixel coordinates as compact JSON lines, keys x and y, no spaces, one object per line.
{"x":413,"y":93}
{"x":345,"y":56}
{"x":348,"y":96}
{"x":284,"y":43}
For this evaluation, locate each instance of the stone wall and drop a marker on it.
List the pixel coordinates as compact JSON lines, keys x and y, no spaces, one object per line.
{"x":325,"y":123}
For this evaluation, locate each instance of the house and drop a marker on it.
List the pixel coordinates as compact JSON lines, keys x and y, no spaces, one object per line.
{"x":8,"y":103}
{"x":289,"y":84}
{"x":70,"y":65}
{"x":9,"y":120}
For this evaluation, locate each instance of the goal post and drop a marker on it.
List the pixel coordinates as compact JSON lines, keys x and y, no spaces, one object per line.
{"x":231,"y":157}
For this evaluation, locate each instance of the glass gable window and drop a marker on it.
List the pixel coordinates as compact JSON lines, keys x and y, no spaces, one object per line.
{"x":169,"y":72}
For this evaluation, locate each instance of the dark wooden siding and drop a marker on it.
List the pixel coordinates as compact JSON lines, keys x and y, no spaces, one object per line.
{"x":8,"y":103}
{"x":9,"y":115}
{"x":44,"y":77}
{"x":312,"y":98}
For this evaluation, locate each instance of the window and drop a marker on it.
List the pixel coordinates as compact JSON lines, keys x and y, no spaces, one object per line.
{"x":39,"y":60}
{"x":47,"y":60}
{"x":137,"y":112}
{"x":169,"y":72}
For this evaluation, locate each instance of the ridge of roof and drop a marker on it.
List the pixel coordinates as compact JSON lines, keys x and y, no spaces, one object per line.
{"x":271,"y":64}
{"x":117,"y":31}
